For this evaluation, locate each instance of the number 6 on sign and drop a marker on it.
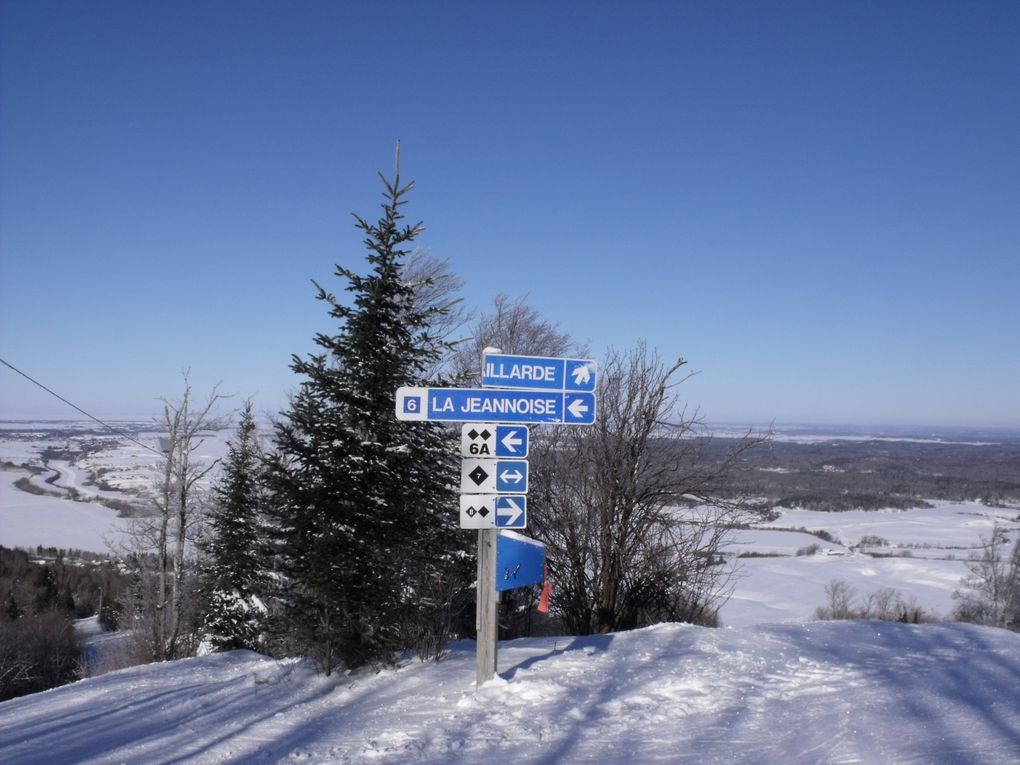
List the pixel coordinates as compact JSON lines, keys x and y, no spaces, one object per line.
{"x":411,"y":403}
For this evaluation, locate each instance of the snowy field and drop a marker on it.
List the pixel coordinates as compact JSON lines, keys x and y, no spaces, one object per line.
{"x":923,"y":557}
{"x":873,"y":693}
{"x":100,"y":466}
{"x":27,"y":520}
{"x":929,"y":546}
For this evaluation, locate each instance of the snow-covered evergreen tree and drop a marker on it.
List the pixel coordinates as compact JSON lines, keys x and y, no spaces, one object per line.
{"x":365,"y":504}
{"x":234,"y":578}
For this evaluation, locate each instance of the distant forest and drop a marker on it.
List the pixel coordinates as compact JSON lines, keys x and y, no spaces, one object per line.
{"x":840,"y":475}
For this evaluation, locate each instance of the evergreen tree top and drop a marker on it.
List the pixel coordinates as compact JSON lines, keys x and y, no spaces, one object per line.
{"x":383,"y":340}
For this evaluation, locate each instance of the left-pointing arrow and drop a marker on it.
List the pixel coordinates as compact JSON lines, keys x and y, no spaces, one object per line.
{"x":577,"y":408}
{"x":514,"y":477}
{"x":511,"y":441}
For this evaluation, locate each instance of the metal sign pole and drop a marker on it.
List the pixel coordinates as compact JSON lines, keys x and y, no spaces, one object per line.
{"x":486,"y":619}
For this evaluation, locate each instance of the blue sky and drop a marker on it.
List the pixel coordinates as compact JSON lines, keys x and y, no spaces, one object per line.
{"x":816,"y":204}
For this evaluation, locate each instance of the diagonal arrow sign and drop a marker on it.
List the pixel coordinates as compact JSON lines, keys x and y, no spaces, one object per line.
{"x":582,"y":375}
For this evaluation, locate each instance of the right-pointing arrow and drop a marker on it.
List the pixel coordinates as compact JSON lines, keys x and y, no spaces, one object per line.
{"x":510,"y":510}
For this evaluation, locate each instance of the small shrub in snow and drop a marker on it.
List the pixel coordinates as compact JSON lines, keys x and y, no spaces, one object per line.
{"x":886,"y":604}
{"x":870,"y":540}
{"x":37,"y":653}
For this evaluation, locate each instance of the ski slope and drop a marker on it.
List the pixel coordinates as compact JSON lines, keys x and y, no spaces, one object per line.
{"x":827,"y":692}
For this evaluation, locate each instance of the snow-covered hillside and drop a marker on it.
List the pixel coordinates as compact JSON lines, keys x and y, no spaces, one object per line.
{"x":753,"y":692}
{"x":828,"y":692}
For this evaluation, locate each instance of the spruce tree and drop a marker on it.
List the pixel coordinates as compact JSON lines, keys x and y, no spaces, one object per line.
{"x":365,"y":505}
{"x":234,"y":579}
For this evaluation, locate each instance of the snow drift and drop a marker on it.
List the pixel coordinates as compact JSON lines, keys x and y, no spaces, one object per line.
{"x":826,"y":692}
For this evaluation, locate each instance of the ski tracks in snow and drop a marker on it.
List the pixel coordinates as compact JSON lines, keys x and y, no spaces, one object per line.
{"x":869,"y":693}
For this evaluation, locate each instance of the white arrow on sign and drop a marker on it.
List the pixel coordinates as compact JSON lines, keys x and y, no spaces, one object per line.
{"x":511,"y":510}
{"x":576,"y":408}
{"x":582,"y":375}
{"x":515,"y":476}
{"x":511,"y":441}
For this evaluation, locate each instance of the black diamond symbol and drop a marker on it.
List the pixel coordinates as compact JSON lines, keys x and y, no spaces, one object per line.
{"x":486,"y":434}
{"x":473,"y":434}
{"x":478,"y":475}
{"x":484,"y":511}
{"x":471,"y":512}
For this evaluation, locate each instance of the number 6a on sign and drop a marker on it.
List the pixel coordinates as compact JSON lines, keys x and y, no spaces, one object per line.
{"x":487,"y":439}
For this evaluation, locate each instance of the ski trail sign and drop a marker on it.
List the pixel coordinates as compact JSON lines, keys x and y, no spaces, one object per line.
{"x":493,"y":511}
{"x":482,"y":476}
{"x":494,"y":440}
{"x":538,"y":373}
{"x":520,"y":561}
{"x":496,"y":405}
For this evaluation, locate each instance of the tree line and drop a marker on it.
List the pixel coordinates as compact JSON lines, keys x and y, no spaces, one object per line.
{"x":43,"y":592}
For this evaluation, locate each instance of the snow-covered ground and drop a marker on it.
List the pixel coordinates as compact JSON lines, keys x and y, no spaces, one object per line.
{"x":126,"y":470}
{"x":791,"y":589}
{"x":27,"y":520}
{"x":829,"y":692}
{"x":927,"y":551}
{"x":949,"y":526}
{"x":770,"y":687}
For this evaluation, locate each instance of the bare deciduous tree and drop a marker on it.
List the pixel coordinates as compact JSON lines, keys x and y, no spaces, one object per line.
{"x":993,"y":586}
{"x":839,"y":599}
{"x":626,"y":509}
{"x":886,"y":604}
{"x":436,"y":293}
{"x":513,"y":326}
{"x":163,"y":543}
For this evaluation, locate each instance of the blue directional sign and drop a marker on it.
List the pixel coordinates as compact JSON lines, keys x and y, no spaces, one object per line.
{"x":483,"y":476}
{"x":511,"y":512}
{"x":489,"y":405}
{"x":493,"y":440}
{"x":511,"y":441}
{"x":520,"y":561}
{"x":538,"y":373}
{"x":578,"y":408}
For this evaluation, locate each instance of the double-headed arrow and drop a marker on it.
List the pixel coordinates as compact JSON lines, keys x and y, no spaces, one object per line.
{"x":515,"y":476}
{"x":482,"y":476}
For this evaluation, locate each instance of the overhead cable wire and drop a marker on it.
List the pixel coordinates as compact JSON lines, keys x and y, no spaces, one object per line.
{"x":75,"y":406}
